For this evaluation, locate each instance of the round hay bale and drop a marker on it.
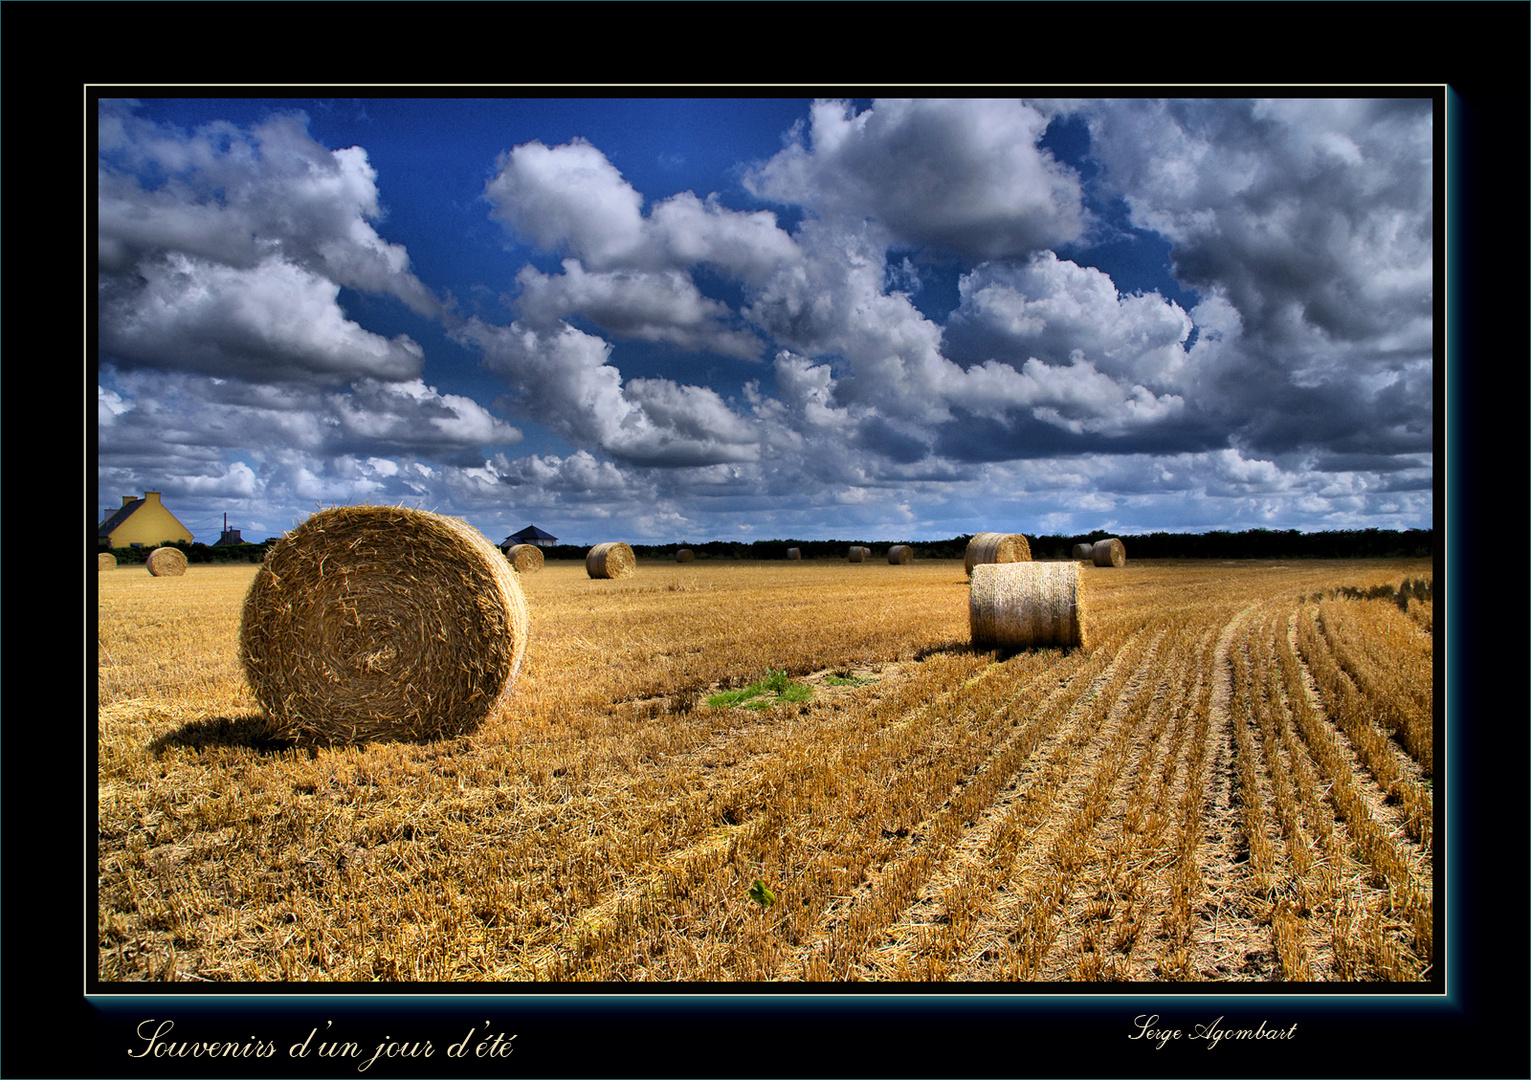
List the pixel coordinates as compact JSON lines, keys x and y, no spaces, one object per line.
{"x":381,"y":622}
{"x":106,"y":561}
{"x":526,"y":558}
{"x":900,"y":554}
{"x":1082,"y":552}
{"x":610,"y":560}
{"x":993,"y":547}
{"x":166,"y":562}
{"x":1025,"y":605}
{"x":794,"y":553}
{"x":858,"y":553}
{"x":685,"y":555}
{"x":1109,"y":553}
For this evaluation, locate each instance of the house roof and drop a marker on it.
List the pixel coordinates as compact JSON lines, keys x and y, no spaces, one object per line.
{"x":121,"y":514}
{"x":531,"y":532}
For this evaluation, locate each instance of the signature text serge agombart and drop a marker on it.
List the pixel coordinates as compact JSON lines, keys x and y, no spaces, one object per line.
{"x":1148,"y":1028}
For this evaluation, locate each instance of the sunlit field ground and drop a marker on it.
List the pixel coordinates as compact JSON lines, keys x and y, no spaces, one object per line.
{"x":1233,"y":782}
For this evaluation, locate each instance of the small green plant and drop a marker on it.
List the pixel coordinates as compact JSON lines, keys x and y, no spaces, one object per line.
{"x":774,"y":689}
{"x":762,"y":895}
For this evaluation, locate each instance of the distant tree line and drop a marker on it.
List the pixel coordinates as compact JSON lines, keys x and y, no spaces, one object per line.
{"x":1251,"y":544}
{"x":196,"y":552}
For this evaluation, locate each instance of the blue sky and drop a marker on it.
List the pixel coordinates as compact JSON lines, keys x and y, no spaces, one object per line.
{"x":686,"y":320}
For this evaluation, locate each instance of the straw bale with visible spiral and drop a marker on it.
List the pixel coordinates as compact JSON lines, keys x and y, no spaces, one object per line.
{"x":611,"y":560}
{"x":1109,"y":552}
{"x":166,"y":562}
{"x":526,"y":558}
{"x":382,"y":622}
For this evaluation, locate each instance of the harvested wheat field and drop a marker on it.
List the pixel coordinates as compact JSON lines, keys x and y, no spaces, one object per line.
{"x":799,"y":771}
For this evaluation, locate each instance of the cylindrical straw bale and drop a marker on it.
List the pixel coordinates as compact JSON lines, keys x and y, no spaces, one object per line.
{"x":993,"y":547}
{"x":1082,"y":552}
{"x":794,"y":553}
{"x":857,"y":553}
{"x":382,"y":622}
{"x":1025,"y":605}
{"x":1109,"y":553}
{"x":685,"y":555}
{"x":526,"y":558}
{"x":611,"y":560}
{"x":899,"y":554}
{"x":166,"y":562}
{"x":106,"y":561}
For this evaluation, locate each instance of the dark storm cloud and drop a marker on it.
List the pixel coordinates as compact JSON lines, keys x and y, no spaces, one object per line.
{"x":960,"y":175}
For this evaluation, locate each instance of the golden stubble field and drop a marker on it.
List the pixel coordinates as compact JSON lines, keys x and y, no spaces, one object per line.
{"x":1233,"y":782}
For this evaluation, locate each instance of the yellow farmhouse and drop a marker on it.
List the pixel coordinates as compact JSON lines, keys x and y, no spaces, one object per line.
{"x":141,"y":522}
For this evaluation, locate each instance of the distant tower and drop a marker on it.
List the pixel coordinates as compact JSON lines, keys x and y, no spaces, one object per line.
{"x":229,"y":536}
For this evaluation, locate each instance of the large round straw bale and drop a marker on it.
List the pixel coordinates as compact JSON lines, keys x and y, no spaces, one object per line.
{"x":526,"y":558}
{"x":794,"y":553}
{"x":106,"y":561}
{"x":611,"y":560}
{"x":1082,"y":552}
{"x":859,"y":553}
{"x":381,"y":622}
{"x":1024,"y":605}
{"x":1109,"y":553}
{"x":166,"y":562}
{"x":685,"y":555}
{"x":899,"y":554}
{"x":993,"y":547}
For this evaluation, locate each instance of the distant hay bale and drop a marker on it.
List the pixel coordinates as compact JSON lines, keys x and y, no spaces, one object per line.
{"x":166,"y":562}
{"x":993,"y":547}
{"x":611,"y":560}
{"x":685,"y":555}
{"x":899,"y":554}
{"x":1082,"y":552}
{"x":1109,"y":553}
{"x":794,"y":553}
{"x":381,"y":622}
{"x":1025,"y":605}
{"x":526,"y":558}
{"x":106,"y":561}
{"x":859,"y":553}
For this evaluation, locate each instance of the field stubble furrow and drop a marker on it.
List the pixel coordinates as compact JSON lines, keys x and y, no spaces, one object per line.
{"x":1383,"y":923}
{"x":1033,"y":844}
{"x":1028,"y":714}
{"x":1113,"y":905}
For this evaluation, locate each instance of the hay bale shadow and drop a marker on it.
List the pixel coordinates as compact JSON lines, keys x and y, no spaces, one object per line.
{"x":251,"y":732}
{"x":954,"y":645}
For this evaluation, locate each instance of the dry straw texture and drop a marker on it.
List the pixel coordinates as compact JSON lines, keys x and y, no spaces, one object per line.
{"x":1025,"y":605}
{"x":900,"y":554}
{"x":526,"y":558}
{"x":993,"y":547}
{"x":381,"y":622}
{"x":106,"y":561}
{"x":685,"y":555}
{"x":794,"y":553}
{"x":167,"y":562}
{"x":611,"y":560}
{"x":1083,"y":553}
{"x":1109,"y":553}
